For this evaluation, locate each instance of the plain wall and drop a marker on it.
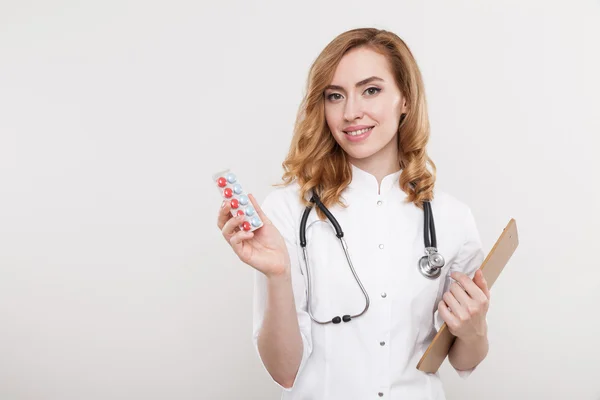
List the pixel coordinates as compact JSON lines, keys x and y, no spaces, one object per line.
{"x":114,"y":280}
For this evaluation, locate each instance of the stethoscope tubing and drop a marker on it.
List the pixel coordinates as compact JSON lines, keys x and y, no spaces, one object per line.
{"x":430,"y":265}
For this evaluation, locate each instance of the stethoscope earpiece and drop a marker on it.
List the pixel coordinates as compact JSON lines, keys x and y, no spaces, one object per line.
{"x":345,"y":318}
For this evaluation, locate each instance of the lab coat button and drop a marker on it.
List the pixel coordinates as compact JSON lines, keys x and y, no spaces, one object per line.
{"x":379,"y":202}
{"x":381,"y":246}
{"x":382,"y":343}
{"x":384,"y":295}
{"x":380,"y":394}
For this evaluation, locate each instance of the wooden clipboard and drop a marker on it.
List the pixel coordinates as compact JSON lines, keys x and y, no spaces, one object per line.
{"x":493,"y":264}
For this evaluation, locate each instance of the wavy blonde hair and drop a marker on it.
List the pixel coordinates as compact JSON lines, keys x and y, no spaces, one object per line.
{"x":316,"y":160}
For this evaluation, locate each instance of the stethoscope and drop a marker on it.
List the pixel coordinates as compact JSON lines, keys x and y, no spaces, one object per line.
{"x":430,"y":264}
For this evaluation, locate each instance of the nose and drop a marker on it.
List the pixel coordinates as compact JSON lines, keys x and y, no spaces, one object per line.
{"x":353,"y":109}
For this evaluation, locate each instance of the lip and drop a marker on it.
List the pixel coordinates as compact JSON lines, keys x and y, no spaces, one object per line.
{"x":360,"y":137}
{"x":356,"y":128}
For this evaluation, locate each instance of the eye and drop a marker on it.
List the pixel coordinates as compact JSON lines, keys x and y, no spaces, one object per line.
{"x":372,"y":91}
{"x":334,"y":96}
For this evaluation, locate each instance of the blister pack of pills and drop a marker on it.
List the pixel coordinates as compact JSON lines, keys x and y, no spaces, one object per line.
{"x":231,"y":190}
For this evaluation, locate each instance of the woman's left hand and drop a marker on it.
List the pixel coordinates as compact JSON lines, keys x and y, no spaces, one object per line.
{"x":465,"y":305}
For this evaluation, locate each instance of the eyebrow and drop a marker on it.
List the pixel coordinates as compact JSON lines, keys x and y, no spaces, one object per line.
{"x":358,"y":84}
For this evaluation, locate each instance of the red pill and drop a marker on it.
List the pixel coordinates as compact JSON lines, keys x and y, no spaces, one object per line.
{"x":227,"y":193}
{"x":246,"y":225}
{"x":240,"y":213}
{"x":234,"y":203}
{"x":222,"y":182}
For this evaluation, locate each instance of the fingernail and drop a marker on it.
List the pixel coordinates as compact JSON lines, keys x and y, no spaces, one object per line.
{"x":223,"y":204}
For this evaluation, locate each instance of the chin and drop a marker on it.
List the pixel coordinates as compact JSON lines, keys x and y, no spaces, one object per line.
{"x":359,"y":154}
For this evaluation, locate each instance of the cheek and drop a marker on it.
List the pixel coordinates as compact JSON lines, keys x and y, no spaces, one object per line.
{"x":386,"y":113}
{"x":332,"y":118}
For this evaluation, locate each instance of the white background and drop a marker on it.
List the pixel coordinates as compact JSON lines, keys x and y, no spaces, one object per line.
{"x":115,"y":282}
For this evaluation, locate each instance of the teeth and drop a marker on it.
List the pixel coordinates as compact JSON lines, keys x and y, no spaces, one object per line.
{"x":359,"y":132}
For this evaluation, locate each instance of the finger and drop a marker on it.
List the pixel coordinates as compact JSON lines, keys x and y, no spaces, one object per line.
{"x":237,"y":240}
{"x":460,"y":295}
{"x":229,"y":227}
{"x":480,"y":281}
{"x":468,"y":285}
{"x":259,"y":210}
{"x":446,"y":314}
{"x":454,"y":304}
{"x":224,"y":214}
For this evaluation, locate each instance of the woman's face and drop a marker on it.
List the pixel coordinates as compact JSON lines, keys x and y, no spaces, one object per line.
{"x":363,"y":105}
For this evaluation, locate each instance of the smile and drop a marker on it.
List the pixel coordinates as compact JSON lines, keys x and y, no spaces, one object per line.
{"x":358,"y":132}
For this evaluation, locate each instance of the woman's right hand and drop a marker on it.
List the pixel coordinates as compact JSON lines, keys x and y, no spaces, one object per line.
{"x":264,"y":249}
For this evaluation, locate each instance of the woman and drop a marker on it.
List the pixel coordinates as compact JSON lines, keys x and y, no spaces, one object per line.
{"x":360,"y":146}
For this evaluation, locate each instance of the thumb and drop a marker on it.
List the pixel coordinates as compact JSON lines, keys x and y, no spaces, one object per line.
{"x":259,"y":210}
{"x":481,"y":282}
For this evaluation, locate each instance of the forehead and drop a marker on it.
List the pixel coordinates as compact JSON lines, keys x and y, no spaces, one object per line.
{"x":361,"y":63}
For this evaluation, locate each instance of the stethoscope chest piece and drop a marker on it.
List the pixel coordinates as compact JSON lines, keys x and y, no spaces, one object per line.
{"x":431,"y":263}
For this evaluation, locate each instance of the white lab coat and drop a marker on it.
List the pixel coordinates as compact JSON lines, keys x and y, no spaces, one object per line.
{"x":374,"y":355}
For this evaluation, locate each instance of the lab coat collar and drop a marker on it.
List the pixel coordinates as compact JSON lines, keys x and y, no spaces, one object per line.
{"x":365,"y":182}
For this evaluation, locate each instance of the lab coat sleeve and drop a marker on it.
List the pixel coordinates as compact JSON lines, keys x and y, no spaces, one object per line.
{"x":279,"y":206}
{"x":468,"y":260}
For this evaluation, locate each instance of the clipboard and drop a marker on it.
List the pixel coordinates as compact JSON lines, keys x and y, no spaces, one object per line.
{"x":493,"y":264}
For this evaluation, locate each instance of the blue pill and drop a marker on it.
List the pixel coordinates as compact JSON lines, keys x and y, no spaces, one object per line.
{"x":255,"y":221}
{"x":249,"y":210}
{"x":243,"y":199}
{"x":230,"y":177}
{"x":237,"y":188}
